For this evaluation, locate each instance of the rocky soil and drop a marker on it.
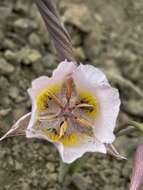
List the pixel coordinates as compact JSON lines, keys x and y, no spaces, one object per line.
{"x":107,"y":34}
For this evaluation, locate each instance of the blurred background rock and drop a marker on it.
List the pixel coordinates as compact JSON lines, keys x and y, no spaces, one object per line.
{"x":107,"y":34}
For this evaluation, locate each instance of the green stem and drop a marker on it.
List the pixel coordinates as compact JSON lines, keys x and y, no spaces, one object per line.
{"x":71,"y":168}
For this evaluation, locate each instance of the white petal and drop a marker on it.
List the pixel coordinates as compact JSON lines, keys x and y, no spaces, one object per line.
{"x":109,"y":104}
{"x":33,"y":118}
{"x":59,"y":74}
{"x":70,"y":154}
{"x":40,"y":82}
{"x":89,"y":75}
{"x":64,"y":69}
{"x":107,"y":98}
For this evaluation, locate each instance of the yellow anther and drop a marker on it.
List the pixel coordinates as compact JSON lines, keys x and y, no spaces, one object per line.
{"x":84,"y":105}
{"x":63,"y":128}
{"x":90,"y":99}
{"x":48,"y":117}
{"x":83,"y":122}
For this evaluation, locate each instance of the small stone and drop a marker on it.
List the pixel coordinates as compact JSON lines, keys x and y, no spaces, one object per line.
{"x":28,"y":56}
{"x":38,"y":68}
{"x":25,"y":186}
{"x":107,"y":187}
{"x":79,"y":53}
{"x":80,"y":182}
{"x":79,"y":16}
{"x":4,"y":112}
{"x":1,"y":36}
{"x":13,"y":92}
{"x":50,"y":167}
{"x":34,"y":40}
{"x":9,"y":55}
{"x":5,"y":12}
{"x":5,"y":67}
{"x":134,"y":107}
{"x":18,"y":166}
{"x":53,"y":177}
{"x":9,"y":44}
{"x":49,"y":61}
{"x":24,"y":23}
{"x":6,"y":102}
{"x":98,"y":18}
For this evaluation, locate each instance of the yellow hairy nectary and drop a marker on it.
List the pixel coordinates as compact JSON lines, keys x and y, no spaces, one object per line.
{"x":42,"y":98}
{"x":90,"y":99}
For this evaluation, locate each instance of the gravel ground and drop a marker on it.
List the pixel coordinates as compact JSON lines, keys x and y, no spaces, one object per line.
{"x":107,"y":34}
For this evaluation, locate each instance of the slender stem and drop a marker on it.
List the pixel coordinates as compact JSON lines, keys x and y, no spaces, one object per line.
{"x":71,"y":168}
{"x":56,"y":29}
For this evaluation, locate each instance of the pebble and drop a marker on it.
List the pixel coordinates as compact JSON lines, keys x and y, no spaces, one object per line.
{"x":18,"y":165}
{"x":24,"y":23}
{"x":28,"y":56}
{"x":49,"y":61}
{"x":34,"y":40}
{"x":53,"y":177}
{"x":79,"y":16}
{"x":9,"y":55}
{"x":5,"y":67}
{"x":5,"y":12}
{"x":134,"y":107}
{"x":4,"y":112}
{"x":80,"y":182}
{"x":79,"y":53}
{"x":13,"y":92}
{"x":9,"y":44}
{"x":50,"y":167}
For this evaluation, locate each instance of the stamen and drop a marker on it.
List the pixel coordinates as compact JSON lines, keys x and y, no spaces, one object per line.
{"x":48,"y":117}
{"x":68,"y":88}
{"x":56,"y":100}
{"x":84,"y":105}
{"x":83,"y":122}
{"x":45,"y":113}
{"x":63,"y":128}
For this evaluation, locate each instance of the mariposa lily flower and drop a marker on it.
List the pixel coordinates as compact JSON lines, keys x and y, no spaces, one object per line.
{"x":75,"y":109}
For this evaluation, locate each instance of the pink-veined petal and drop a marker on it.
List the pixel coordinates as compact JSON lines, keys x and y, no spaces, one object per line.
{"x":19,"y":127}
{"x":137,"y":173}
{"x":64,"y":69}
{"x":107,"y":99}
{"x":89,"y":75}
{"x":70,"y":153}
{"x":109,"y":105}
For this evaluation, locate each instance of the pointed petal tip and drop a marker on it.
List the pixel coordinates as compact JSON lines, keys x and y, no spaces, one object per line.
{"x":18,"y":128}
{"x":113,"y":151}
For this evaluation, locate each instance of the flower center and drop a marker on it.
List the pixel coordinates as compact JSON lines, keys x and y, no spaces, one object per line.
{"x":65,"y":112}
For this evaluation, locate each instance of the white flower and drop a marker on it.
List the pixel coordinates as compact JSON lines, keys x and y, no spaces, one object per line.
{"x":76,"y":109}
